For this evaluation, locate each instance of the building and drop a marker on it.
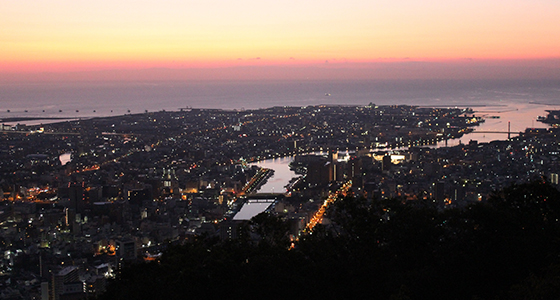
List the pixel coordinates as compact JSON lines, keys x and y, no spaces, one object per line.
{"x":126,"y":249}
{"x":66,"y":284}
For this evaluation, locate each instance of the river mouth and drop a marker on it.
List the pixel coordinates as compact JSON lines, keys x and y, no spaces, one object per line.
{"x":499,"y":119}
{"x":495,"y":127}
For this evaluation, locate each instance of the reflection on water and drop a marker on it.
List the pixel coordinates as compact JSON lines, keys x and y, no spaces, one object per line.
{"x":281,"y":177}
{"x":520,"y":116}
{"x":65,"y":158}
{"x":252,"y":208}
{"x":38,"y":122}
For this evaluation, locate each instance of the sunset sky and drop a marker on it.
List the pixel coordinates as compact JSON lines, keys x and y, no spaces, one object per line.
{"x":280,"y":39}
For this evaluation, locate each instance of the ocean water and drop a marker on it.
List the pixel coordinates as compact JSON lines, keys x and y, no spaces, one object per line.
{"x":516,"y":101}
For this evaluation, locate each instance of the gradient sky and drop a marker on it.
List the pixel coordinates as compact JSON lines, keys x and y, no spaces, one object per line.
{"x":287,"y":37}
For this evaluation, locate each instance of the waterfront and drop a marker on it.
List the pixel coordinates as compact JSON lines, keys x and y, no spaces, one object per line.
{"x":520,"y":116}
{"x":166,"y":176}
{"x":495,"y":127}
{"x":282,"y":174}
{"x":100,"y":99}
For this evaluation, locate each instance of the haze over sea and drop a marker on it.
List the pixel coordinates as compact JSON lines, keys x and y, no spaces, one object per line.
{"x":518,"y":101}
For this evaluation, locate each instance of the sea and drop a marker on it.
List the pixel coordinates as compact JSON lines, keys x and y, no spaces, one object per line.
{"x":518,"y":102}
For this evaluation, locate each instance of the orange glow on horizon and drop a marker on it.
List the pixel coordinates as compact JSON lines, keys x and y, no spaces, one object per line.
{"x":61,"y":66}
{"x":74,"y":36}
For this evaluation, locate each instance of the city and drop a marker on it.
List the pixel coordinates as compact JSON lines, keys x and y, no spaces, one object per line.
{"x":279,"y":150}
{"x":81,"y":198}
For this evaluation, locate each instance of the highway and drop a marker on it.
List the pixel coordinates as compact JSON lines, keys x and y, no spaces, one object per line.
{"x":333,"y":196}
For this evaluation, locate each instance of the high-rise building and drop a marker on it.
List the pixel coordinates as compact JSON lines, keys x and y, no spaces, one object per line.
{"x":319,"y":172}
{"x":126,"y":249}
{"x":386,"y":163}
{"x":439,"y":192}
{"x":76,"y":193}
{"x":66,"y":284}
{"x":554,"y":178}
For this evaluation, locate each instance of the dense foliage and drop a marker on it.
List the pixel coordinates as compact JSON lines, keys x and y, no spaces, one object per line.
{"x":507,"y":248}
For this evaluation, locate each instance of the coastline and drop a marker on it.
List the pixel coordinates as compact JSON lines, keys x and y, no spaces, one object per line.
{"x":519,"y":115}
{"x":34,"y":121}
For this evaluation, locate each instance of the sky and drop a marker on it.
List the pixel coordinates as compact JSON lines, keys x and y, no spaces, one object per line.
{"x":289,"y":39}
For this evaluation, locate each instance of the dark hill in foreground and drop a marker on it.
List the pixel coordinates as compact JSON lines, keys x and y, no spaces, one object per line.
{"x":507,"y":248}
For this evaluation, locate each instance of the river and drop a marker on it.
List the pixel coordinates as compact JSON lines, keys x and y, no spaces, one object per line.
{"x":65,"y":158}
{"x":520,"y":116}
{"x":282,"y":174}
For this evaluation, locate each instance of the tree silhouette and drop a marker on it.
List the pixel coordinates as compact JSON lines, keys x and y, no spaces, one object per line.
{"x":506,"y":248}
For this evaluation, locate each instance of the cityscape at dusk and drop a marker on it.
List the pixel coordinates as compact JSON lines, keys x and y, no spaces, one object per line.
{"x":279,"y":150}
